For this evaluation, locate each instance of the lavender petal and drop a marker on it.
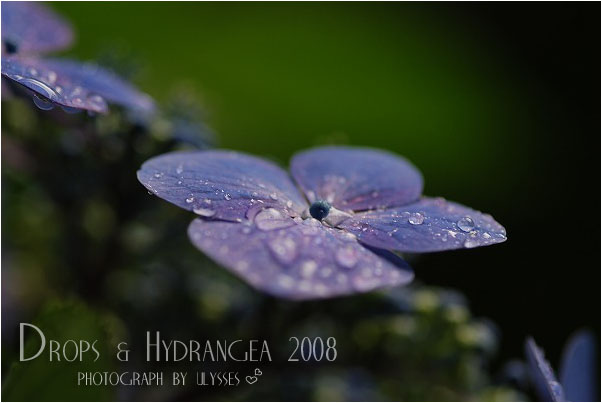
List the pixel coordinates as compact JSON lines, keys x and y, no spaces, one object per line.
{"x":353,"y":178}
{"x":547,"y":387}
{"x":428,"y":225}
{"x":297,"y":260}
{"x":29,"y":27}
{"x":221,"y":184}
{"x":578,"y":372}
{"x":50,"y":86}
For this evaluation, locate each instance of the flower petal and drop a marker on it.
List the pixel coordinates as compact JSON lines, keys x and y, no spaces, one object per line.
{"x":221,"y":184}
{"x":429,"y":225}
{"x":297,"y":259}
{"x":547,"y":387}
{"x":103,"y":82}
{"x":578,"y":373}
{"x":30,"y":27}
{"x":74,"y":84}
{"x":353,"y":178}
{"x":52,"y":87}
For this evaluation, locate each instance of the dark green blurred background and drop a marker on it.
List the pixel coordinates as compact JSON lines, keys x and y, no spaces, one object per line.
{"x":497,"y":104}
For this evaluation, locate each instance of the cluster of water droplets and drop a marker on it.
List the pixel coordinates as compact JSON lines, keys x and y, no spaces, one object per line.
{"x":48,"y":92}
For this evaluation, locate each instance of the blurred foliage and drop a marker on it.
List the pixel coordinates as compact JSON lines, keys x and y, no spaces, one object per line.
{"x":81,"y":226}
{"x":46,"y":380}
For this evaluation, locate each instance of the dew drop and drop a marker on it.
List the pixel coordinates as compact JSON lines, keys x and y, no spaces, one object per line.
{"x":42,"y":103}
{"x":189,"y":200}
{"x":97,"y":102}
{"x":273,"y":196}
{"x":270,"y":219}
{"x":227,"y":196}
{"x":466,"y":224}
{"x":284,"y":250}
{"x":204,"y":212}
{"x":416,"y":219}
{"x":346,"y":257}
{"x":470,"y":243}
{"x":179,"y":169}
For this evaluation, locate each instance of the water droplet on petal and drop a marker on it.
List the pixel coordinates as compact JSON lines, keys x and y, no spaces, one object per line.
{"x":416,"y":219}
{"x":346,"y":257}
{"x":273,"y":196}
{"x":227,"y":196}
{"x":471,"y":243}
{"x":97,"y":102}
{"x":466,"y":224}
{"x":179,"y":169}
{"x":189,"y":200}
{"x":284,"y":250}
{"x":204,"y":212}
{"x":42,"y":103}
{"x":270,"y":219}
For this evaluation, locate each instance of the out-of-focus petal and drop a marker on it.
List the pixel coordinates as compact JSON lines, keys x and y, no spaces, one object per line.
{"x":30,"y":27}
{"x":547,"y":387}
{"x":297,"y":259}
{"x":355,"y":179}
{"x":579,"y":372}
{"x":221,"y":184}
{"x":429,"y":225}
{"x":51,"y":85}
{"x":103,"y":82}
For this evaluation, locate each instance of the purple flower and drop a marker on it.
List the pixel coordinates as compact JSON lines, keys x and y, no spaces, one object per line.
{"x":577,"y":371}
{"x":29,"y":29}
{"x":334,"y":238}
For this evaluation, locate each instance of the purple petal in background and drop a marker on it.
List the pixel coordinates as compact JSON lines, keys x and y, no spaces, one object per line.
{"x":296,"y":259}
{"x":222,"y":185}
{"x":428,"y":225}
{"x":579,"y":370}
{"x":547,"y":387}
{"x":50,"y":85}
{"x":100,"y":81}
{"x":356,"y":178}
{"x":30,"y":27}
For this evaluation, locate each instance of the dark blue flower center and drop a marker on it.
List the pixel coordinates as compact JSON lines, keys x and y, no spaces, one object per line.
{"x":10,"y":47}
{"x":319,"y":209}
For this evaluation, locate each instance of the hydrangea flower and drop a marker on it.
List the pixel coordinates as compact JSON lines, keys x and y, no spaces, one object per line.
{"x":29,"y":29}
{"x":577,"y":371}
{"x":326,"y":231}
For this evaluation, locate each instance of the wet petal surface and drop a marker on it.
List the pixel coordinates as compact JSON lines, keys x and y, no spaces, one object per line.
{"x":430,"y":225}
{"x":578,"y":373}
{"x":51,"y":87}
{"x":101,"y":81}
{"x":356,"y":178}
{"x":221,"y":184}
{"x":547,"y":387}
{"x":297,"y":259}
{"x":30,"y":27}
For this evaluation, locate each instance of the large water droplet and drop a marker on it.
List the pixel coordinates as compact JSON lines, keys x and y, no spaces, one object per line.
{"x":346,"y":257}
{"x":204,"y":212}
{"x":416,"y":219}
{"x":42,"y":103}
{"x":270,"y":219}
{"x":466,"y":224}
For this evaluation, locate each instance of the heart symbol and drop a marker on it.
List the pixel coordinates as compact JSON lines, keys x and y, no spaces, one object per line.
{"x":251,"y":379}
{"x":258,"y":372}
